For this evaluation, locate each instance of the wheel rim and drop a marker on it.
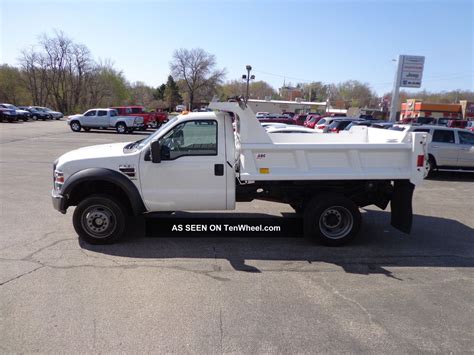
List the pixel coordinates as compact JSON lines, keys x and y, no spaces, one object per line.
{"x":121,"y":128}
{"x":336,"y":222}
{"x":75,"y":126}
{"x":98,"y":221}
{"x":427,"y":168}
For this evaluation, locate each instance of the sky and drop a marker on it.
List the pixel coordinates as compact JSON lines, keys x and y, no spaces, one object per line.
{"x":291,"y":41}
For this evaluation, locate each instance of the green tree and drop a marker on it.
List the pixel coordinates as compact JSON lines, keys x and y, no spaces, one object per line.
{"x":159,"y":93}
{"x":12,"y":86}
{"x":171,"y":94}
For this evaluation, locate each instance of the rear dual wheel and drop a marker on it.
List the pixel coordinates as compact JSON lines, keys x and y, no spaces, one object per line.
{"x":331,"y":219}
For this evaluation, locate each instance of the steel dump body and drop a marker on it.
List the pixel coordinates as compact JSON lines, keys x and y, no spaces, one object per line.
{"x":359,"y":154}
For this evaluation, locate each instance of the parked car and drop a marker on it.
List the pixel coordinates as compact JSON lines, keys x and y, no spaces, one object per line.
{"x":457,"y":123}
{"x":103,"y":118}
{"x":312,"y":120}
{"x":450,"y":148}
{"x":276,"y":118}
{"x":300,"y":119}
{"x":262,"y":114}
{"x":20,"y":113}
{"x":289,"y":114}
{"x":150,"y":119}
{"x":470,"y":126}
{"x":325,"y":122}
{"x":55,"y":114}
{"x":382,"y":124}
{"x":338,"y":125}
{"x":37,"y":114}
{"x":7,"y":114}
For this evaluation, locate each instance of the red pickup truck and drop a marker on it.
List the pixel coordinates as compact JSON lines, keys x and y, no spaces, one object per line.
{"x":150,"y":119}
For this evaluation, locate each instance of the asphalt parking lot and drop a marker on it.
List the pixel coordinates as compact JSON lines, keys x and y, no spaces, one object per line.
{"x":386,"y":292}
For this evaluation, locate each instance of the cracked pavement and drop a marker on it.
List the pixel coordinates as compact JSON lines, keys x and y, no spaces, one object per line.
{"x":386,"y":292}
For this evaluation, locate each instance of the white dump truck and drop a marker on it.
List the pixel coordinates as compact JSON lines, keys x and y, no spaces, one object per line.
{"x":211,"y":160}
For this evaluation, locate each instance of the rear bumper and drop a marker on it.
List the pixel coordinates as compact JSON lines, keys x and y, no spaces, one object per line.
{"x":59,"y":202}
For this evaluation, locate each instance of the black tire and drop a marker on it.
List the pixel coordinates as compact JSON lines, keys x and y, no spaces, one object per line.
{"x":99,"y":219}
{"x":331,"y":219}
{"x":121,"y":128}
{"x":75,"y":126}
{"x":430,"y":166}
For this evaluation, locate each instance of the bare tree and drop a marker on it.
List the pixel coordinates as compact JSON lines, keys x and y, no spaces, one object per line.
{"x":35,"y":75}
{"x":197,"y":69}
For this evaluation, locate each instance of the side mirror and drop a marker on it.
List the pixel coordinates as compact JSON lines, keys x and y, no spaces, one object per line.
{"x":156,"y":152}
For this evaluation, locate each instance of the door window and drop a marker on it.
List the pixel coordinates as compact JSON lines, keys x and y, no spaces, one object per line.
{"x":90,"y":113}
{"x":101,"y":113}
{"x":443,"y":136}
{"x":190,"y":138}
{"x":466,"y":138}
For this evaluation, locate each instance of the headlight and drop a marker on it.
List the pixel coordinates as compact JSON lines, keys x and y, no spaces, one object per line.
{"x":58,"y":180}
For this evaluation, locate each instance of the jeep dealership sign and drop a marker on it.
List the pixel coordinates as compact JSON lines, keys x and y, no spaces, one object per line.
{"x":411,"y":71}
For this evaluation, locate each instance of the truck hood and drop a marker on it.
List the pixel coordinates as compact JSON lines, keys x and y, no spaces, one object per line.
{"x":93,"y":156}
{"x":73,"y":116}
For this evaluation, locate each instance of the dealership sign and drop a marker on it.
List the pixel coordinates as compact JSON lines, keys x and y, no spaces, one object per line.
{"x":411,"y":71}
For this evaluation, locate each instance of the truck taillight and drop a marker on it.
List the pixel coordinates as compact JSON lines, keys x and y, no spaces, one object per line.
{"x":420,"y":161}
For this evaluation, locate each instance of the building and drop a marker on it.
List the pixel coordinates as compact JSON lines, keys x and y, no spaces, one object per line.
{"x":414,"y":109}
{"x":290,"y":93}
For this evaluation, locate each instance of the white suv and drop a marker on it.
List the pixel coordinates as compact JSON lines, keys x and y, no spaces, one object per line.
{"x":450,"y":148}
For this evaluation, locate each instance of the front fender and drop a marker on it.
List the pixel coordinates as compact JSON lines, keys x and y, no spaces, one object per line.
{"x":92,"y":175}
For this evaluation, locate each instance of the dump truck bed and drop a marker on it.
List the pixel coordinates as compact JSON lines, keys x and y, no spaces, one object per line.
{"x":359,"y":154}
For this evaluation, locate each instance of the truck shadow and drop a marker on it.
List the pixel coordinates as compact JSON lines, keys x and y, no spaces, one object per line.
{"x":434,"y":242}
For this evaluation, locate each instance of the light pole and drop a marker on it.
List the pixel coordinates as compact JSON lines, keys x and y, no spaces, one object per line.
{"x":248,"y":77}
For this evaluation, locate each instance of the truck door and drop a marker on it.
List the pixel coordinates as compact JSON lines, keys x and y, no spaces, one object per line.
{"x":103,"y":119}
{"x":191,"y":174}
{"x":466,"y":149}
{"x":90,"y":119}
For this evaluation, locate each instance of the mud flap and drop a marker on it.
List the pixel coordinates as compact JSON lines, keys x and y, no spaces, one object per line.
{"x":402,"y":212}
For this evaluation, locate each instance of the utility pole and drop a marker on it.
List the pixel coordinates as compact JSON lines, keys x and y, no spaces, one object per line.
{"x":248,"y":77}
{"x":394,"y":104}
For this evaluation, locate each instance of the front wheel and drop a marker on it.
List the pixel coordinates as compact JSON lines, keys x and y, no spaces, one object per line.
{"x":331,"y":219}
{"x":121,"y":128}
{"x":75,"y":126}
{"x":99,"y":219}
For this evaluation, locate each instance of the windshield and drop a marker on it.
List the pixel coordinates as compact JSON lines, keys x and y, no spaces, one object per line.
{"x":144,"y":142}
